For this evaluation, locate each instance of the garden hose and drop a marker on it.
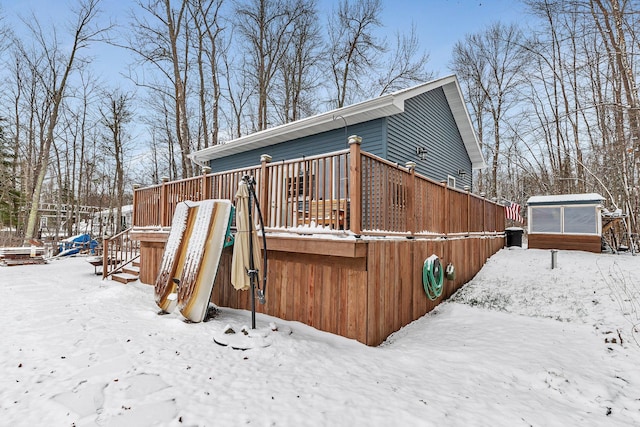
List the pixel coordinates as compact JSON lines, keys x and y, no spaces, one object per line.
{"x":432,"y":277}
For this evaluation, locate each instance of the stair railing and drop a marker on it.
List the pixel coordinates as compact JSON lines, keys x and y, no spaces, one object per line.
{"x":118,"y":251}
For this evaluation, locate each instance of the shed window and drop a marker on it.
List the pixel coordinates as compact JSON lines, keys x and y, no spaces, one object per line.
{"x":564,"y":219}
{"x":580,"y":219}
{"x":546,"y":220}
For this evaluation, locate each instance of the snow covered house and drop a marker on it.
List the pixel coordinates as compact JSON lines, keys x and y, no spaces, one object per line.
{"x":104,"y":222}
{"x":567,"y":221}
{"x":354,"y":201}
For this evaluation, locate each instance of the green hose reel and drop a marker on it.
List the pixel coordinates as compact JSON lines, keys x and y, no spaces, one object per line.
{"x":432,"y":277}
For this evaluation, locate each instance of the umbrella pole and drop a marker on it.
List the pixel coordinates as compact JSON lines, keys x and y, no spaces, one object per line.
{"x":252,"y":268}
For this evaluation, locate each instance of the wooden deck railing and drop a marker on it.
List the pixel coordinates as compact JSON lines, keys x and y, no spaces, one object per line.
{"x":395,"y":199}
{"x":347,"y":190}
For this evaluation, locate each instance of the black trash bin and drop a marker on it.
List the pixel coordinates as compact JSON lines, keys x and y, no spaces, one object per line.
{"x":514,"y":236}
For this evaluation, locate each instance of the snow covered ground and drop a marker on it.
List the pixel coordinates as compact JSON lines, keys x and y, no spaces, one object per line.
{"x":520,"y":345}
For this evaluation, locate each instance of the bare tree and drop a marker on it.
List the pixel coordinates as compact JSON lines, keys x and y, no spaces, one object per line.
{"x":612,"y":20}
{"x":207,"y":22}
{"x":267,"y":28}
{"x":353,"y":47}
{"x":116,"y":114}
{"x":406,"y":65}
{"x":163,"y":42}
{"x":238,"y":93}
{"x":494,"y":63}
{"x":56,"y":73}
{"x":299,"y":74}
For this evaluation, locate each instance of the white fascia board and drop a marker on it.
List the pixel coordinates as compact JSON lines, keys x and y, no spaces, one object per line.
{"x":461,"y":115}
{"x":557,"y":199}
{"x":353,"y":114}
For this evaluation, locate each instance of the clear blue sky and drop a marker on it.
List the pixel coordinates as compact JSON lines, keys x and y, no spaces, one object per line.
{"x":440,"y":23}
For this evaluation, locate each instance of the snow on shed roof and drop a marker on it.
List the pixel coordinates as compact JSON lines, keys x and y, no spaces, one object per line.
{"x":565,"y":199}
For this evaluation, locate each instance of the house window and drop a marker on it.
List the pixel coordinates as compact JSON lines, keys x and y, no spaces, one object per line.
{"x":451,"y":181}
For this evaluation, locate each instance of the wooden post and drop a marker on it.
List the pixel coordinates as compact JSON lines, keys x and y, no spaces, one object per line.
{"x":134,"y":219}
{"x":105,"y":256}
{"x":468,"y":190}
{"x":498,"y":212}
{"x":265,"y":181}
{"x":484,"y":212}
{"x":164,"y":202}
{"x":355,"y":189}
{"x":411,"y":193}
{"x":206,"y":188}
{"x":445,"y":213}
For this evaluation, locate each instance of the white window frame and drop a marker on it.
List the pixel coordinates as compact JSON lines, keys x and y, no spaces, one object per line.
{"x":451,"y":181}
{"x":532,"y":218}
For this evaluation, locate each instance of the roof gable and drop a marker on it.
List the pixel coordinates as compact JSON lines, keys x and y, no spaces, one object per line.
{"x":383,"y":106}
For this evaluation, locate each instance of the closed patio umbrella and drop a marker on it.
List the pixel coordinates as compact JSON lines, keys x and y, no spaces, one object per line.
{"x":240,"y":263}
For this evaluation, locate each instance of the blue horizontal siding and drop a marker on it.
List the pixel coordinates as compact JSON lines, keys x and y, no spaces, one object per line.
{"x":428,"y":122}
{"x":334,"y":140}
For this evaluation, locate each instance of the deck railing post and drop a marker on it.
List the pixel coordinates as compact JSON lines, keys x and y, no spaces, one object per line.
{"x":468,"y":190}
{"x":355,"y":187}
{"x":136,"y":208}
{"x":206,"y":188}
{"x":445,"y":214}
{"x":484,"y":212}
{"x":411,"y":212}
{"x":164,"y":201}
{"x":264,"y":195}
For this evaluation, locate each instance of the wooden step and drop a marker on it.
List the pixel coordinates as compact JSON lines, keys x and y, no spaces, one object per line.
{"x":131,"y":269}
{"x":124,"y":277}
{"x":136,"y":262}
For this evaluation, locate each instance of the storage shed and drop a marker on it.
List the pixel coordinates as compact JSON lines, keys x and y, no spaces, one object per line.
{"x":567,"y":221}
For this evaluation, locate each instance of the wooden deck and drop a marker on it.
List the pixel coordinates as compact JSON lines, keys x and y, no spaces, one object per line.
{"x":367,"y":295}
{"x":360,"y":274}
{"x":359,"y":288}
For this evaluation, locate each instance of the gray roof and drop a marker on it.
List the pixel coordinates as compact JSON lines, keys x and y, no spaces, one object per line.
{"x":567,"y":199}
{"x":383,"y":106}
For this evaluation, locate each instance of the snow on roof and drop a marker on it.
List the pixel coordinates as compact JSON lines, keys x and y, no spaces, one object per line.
{"x":565,"y":198}
{"x":125,"y":209}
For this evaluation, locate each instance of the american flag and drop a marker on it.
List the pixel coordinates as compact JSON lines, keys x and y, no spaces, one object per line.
{"x":513,"y":212}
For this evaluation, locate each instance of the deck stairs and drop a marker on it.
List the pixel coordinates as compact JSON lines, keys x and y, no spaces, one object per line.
{"x":128,"y":273}
{"x":126,"y":253}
